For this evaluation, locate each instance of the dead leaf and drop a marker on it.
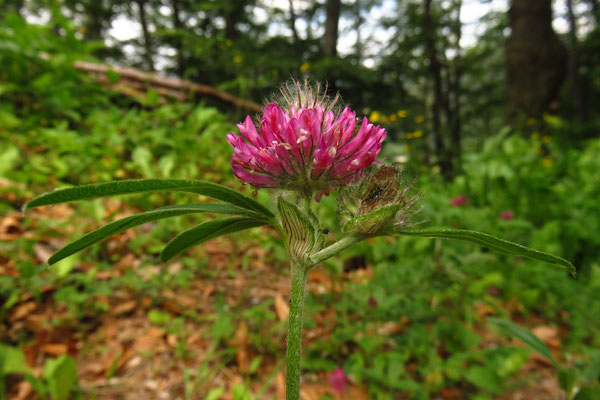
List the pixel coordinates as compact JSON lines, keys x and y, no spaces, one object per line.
{"x":21,"y":311}
{"x":451,"y":393}
{"x":241,"y":341}
{"x":547,"y":334}
{"x":282,"y":308}
{"x":43,"y":252}
{"x":55,"y":349}
{"x":280,"y":385}
{"x":10,"y":227}
{"x":36,"y":322}
{"x":125,"y":308}
{"x":24,"y":390}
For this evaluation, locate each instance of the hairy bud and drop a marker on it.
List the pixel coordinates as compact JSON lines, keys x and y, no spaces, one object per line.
{"x":377,"y":204}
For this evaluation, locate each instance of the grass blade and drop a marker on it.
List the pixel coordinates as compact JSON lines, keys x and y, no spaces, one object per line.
{"x":206,"y":231}
{"x":493,"y":243}
{"x":139,"y":219}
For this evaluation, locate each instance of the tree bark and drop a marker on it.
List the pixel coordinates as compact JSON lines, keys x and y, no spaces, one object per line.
{"x":535,"y":61}
{"x":293,"y":22}
{"x":575,"y":87}
{"x":358,"y":21}
{"x":435,"y":68}
{"x":178,"y":25}
{"x":146,"y":35}
{"x":595,"y":10}
{"x":454,"y":91}
{"x":331,"y":27}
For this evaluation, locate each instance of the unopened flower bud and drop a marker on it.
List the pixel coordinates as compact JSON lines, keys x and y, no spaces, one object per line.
{"x":377,"y":204}
{"x":303,"y":235}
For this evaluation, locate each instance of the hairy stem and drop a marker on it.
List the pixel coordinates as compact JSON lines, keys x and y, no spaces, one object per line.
{"x":294,"y":338}
{"x":335,"y":248}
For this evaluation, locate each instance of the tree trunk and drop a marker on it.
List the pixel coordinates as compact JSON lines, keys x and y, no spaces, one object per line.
{"x":595,"y":11}
{"x":358,"y":21}
{"x":95,"y":21}
{"x":293,"y":22}
{"x":331,"y":27}
{"x":435,"y":68}
{"x":178,"y":25}
{"x":146,"y":35}
{"x":454,"y":92}
{"x":535,"y":61}
{"x":575,"y":87}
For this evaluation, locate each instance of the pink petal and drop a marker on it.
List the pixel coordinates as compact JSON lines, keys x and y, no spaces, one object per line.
{"x":253,"y":179}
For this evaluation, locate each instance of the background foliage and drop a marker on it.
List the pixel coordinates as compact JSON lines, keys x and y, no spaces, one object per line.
{"x":404,"y":318}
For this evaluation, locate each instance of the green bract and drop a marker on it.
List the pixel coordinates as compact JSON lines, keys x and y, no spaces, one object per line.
{"x":377,"y":204}
{"x":303,"y":235}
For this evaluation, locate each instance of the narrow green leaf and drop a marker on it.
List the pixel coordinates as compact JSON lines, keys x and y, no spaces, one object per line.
{"x":493,"y":243}
{"x":93,"y":191}
{"x":206,"y":231}
{"x":509,"y":328}
{"x":138,"y":219}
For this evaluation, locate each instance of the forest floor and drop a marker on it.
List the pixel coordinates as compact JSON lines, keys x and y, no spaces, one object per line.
{"x":122,"y":354}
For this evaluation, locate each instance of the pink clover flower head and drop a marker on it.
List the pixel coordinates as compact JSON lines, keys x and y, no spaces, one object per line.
{"x":303,"y":144}
{"x":507,"y":215}
{"x":460,"y":201}
{"x":338,"y":380}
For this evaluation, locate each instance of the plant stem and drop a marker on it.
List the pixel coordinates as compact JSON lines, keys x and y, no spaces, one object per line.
{"x":298,"y":288}
{"x":294,"y":337}
{"x":335,"y":248}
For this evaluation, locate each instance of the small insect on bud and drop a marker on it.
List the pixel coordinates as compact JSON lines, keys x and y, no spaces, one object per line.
{"x":377,"y":204}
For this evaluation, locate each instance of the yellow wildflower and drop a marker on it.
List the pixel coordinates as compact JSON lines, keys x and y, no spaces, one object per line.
{"x":375,"y":116}
{"x":551,"y":120}
{"x":419,"y":119}
{"x":228,"y":42}
{"x":546,"y":139}
{"x":393,"y":118}
{"x":401,"y":113}
{"x":418,"y":134}
{"x":548,"y":162}
{"x":385,"y":119}
{"x":535,"y":135}
{"x":238,"y":59}
{"x":304,"y":67}
{"x":409,"y":136}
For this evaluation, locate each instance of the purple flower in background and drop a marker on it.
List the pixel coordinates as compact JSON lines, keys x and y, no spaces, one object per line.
{"x":304,"y":145}
{"x":507,"y":215}
{"x":338,"y":380}
{"x":460,"y":201}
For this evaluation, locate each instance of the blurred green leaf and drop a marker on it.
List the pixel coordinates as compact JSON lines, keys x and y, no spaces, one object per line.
{"x":12,"y":361}
{"x":511,"y":329}
{"x":588,"y":393}
{"x":215,"y":394}
{"x":61,"y":376}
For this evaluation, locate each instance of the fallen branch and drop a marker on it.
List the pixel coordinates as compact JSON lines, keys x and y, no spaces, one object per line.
{"x":133,"y":82}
